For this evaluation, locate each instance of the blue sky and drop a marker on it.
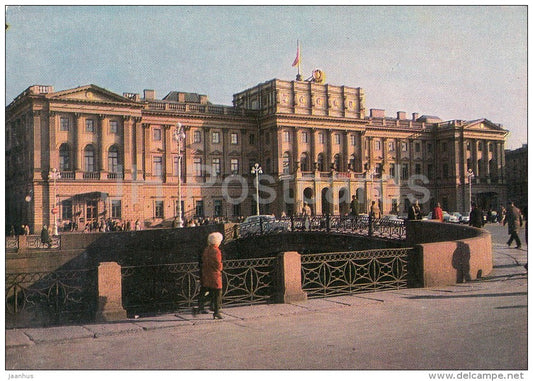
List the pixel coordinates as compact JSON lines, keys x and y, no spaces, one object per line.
{"x":449,"y":61}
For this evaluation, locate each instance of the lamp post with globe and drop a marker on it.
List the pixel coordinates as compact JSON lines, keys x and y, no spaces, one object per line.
{"x":179,"y":136}
{"x":54,"y":175}
{"x":256,"y":170}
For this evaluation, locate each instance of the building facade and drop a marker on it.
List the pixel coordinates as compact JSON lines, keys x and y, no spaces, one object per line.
{"x":118,"y":156}
{"x":516,"y":175}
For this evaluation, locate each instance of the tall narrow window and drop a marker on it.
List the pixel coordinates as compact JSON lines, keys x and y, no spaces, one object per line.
{"x":66,"y":209}
{"x":234,"y":138}
{"x":305,"y":137}
{"x":159,"y":209}
{"x":158,"y":166}
{"x":216,"y":166}
{"x":64,"y":124}
{"x":337,"y":138}
{"x":197,"y":164}
{"x":215,"y":137}
{"x":304,"y":162}
{"x":89,"y":125}
{"x":251,"y":139}
{"x":64,"y":157}
{"x":286,"y":163}
{"x":320,"y":162}
{"x":88,"y":159}
{"x":218,"y":208}
{"x":113,"y":127}
{"x":234,"y":163}
{"x":157,"y":134}
{"x":353,"y":140}
{"x":197,"y":137}
{"x":116,"y":209}
{"x":113,"y":160}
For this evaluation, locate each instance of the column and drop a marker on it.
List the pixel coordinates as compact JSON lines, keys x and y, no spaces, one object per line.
{"x":329,"y":149}
{"x":146,"y":148}
{"x":77,"y":149}
{"x":345,"y":154}
{"x":37,"y":142}
{"x":100,"y":132}
{"x":53,"y":157}
{"x":169,"y":161}
{"x":297,"y":151}
{"x":127,"y":146}
{"x":138,"y":155}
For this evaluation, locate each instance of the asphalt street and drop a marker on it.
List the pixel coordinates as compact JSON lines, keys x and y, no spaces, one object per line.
{"x":480,"y":325}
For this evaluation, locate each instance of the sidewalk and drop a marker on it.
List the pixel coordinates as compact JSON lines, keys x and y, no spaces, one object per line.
{"x":476,"y":325}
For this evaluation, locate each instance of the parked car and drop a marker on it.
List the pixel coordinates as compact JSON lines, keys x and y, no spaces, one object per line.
{"x":263,"y":224}
{"x":447,"y":217}
{"x":459,"y":217}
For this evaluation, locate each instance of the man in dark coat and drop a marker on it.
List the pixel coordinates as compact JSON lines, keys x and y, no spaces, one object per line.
{"x":513,"y":219}
{"x":45,"y":237}
{"x":476,"y":217}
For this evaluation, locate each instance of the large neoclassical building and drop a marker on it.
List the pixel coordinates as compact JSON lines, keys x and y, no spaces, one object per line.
{"x":87,"y":154}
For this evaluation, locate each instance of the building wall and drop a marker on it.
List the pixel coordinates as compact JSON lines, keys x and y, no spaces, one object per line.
{"x":315,"y":143}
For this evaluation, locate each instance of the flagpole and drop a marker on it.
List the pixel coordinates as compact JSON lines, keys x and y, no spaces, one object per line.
{"x":298,"y":77}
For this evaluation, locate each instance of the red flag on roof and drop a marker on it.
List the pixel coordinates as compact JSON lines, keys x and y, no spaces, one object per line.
{"x":297,"y":59}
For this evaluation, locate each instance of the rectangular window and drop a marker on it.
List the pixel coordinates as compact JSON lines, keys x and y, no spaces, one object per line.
{"x":158,"y":166}
{"x":418,"y":169}
{"x":431,"y":173}
{"x":113,"y":127}
{"x":353,"y":140}
{"x":337,"y":138}
{"x":392,"y":170}
{"x":89,"y":125}
{"x":218,"y":208}
{"x":404,"y":146}
{"x":392,"y":146}
{"x":286,"y":136}
{"x":234,"y":166}
{"x":378,"y":145}
{"x":215,"y":137}
{"x":236,"y":209}
{"x":305,"y":137}
{"x":199,"y":208}
{"x":445,"y":171}
{"x":116,"y":209}
{"x":405,"y":171}
{"x":444,"y":147}
{"x":159,"y":209}
{"x":417,"y":147}
{"x":157,"y":134}
{"x":65,"y":124}
{"x":92,"y":210}
{"x":197,"y":137}
{"x":251,"y":139}
{"x":197,"y":164}
{"x":234,"y":138}
{"x":66,"y":209}
{"x":321,"y":138}
{"x":216,"y":166}
{"x":430,"y":147}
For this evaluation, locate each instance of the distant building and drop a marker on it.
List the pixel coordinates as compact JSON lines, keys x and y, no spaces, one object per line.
{"x":316,"y":144}
{"x":516,"y":175}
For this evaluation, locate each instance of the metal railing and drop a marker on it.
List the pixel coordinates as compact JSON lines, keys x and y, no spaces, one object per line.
{"x":355,"y":225}
{"x":174,"y":287}
{"x":58,"y":297}
{"x":352,"y":272}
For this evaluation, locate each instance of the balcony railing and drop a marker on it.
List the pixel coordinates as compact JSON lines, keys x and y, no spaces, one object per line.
{"x":91,"y":175}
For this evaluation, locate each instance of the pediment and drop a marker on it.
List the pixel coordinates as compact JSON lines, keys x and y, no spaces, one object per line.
{"x":89,"y":93}
{"x":216,"y":153}
{"x":197,"y":152}
{"x":482,"y":124}
{"x":234,"y":153}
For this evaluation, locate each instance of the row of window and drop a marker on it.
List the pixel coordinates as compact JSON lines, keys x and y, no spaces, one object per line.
{"x":90,"y":125}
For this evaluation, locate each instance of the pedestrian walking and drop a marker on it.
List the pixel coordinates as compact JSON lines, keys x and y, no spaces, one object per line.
{"x":373,"y":214}
{"x":513,"y":219}
{"x":354,"y":206}
{"x":476,"y":216}
{"x":45,"y":237}
{"x":211,"y":274}
{"x":437,"y":213}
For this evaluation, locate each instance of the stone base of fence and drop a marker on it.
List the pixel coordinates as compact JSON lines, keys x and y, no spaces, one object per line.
{"x":289,"y":285}
{"x":110,"y":293}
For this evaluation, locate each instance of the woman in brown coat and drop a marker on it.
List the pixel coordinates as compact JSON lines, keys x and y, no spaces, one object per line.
{"x":211,"y":274}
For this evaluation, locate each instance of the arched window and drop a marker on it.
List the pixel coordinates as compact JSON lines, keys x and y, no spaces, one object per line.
{"x":320,"y":162}
{"x":352,"y":162}
{"x":304,"y":162}
{"x":286,"y":163}
{"x":88,"y":159}
{"x":337,"y":162}
{"x":64,"y":158}
{"x":113,"y":160}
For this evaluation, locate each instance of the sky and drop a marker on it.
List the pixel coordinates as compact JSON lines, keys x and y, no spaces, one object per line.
{"x":454,"y":62}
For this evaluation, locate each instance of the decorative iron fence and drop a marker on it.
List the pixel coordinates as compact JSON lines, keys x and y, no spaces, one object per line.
{"x":34,"y":242}
{"x":393,"y":229}
{"x":48,"y":298}
{"x":360,"y":271}
{"x":173,"y":287}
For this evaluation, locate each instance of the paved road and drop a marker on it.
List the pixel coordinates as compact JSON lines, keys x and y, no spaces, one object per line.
{"x":471,"y":326}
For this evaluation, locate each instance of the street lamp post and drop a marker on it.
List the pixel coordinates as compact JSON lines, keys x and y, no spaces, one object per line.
{"x":256,"y":170}
{"x":470,"y":175}
{"x":55,"y":175}
{"x":179,"y":136}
